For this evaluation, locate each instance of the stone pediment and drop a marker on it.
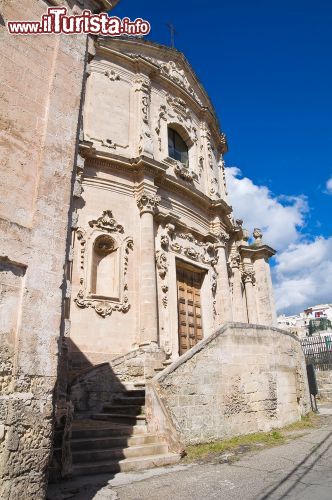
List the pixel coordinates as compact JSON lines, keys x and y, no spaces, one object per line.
{"x":170,"y":63}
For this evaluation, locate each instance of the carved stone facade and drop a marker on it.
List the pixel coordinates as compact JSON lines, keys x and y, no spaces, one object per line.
{"x":174,"y":214}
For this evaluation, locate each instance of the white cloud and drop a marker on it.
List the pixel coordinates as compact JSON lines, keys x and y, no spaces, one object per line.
{"x":329,"y":186}
{"x":303,"y":266}
{"x":280,"y":217}
{"x":302,"y":275}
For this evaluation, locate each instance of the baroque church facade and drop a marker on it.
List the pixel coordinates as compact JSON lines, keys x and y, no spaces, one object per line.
{"x":123,"y":272}
{"x":157,"y":255}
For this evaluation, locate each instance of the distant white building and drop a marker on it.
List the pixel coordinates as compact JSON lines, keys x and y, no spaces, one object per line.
{"x":319,"y":311}
{"x":299,"y":323}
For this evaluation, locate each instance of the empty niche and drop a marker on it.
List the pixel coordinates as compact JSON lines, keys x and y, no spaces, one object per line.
{"x":105,"y":267}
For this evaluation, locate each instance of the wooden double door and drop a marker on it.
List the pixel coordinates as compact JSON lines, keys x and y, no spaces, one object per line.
{"x":189,"y":283}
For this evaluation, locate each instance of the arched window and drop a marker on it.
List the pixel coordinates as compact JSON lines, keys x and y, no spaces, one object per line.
{"x":177,"y":148}
{"x":104,"y":267}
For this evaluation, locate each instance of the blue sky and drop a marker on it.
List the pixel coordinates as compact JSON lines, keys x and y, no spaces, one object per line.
{"x":267,"y":68}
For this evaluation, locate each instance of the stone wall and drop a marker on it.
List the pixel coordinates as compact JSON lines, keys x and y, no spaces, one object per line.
{"x":242,"y":379}
{"x":324,"y":382}
{"x":41,"y":88}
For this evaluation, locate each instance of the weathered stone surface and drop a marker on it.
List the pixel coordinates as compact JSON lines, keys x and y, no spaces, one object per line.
{"x":41,"y":86}
{"x":324,"y":383}
{"x":242,"y":379}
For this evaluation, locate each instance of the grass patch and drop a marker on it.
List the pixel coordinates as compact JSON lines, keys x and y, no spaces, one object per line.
{"x":250,"y":441}
{"x":197,"y":451}
{"x":307,"y":422}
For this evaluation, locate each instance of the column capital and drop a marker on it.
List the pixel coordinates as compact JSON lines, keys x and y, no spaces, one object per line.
{"x":248,"y":276}
{"x":147,"y":202}
{"x":223,"y":238}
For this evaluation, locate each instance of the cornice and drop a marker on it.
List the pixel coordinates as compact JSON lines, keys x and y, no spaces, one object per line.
{"x":143,"y":165}
{"x":256,"y":252}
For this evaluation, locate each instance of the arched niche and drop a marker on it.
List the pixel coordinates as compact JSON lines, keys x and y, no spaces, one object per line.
{"x":105,"y":267}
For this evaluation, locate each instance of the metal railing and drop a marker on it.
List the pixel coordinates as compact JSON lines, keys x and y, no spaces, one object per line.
{"x":318,"y":351}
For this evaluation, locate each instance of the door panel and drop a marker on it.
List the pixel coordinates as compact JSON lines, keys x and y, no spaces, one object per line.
{"x":189,"y":284}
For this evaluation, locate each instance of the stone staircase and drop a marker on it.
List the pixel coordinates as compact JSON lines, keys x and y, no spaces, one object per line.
{"x":117,"y":438}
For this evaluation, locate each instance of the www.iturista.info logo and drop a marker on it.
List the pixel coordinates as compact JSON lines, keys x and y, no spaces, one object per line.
{"x":57,"y":20}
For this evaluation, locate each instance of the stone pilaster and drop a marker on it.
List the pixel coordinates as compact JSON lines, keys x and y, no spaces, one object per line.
{"x":239,"y":313}
{"x":223,"y":295}
{"x":248,"y":277}
{"x":147,"y":204}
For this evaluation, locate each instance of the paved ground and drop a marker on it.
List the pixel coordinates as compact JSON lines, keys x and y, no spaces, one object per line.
{"x":299,"y":469}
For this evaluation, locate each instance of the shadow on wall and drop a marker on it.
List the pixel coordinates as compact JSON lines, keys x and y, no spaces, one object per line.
{"x":84,"y":432}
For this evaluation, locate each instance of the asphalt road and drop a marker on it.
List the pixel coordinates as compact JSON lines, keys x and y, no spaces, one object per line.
{"x":299,"y":469}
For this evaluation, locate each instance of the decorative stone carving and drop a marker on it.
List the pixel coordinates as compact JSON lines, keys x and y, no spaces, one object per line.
{"x":258,"y":235}
{"x":221,"y":165}
{"x":234,"y":258}
{"x":214,"y":283}
{"x":214,"y":187}
{"x":222,"y":236}
{"x":162,"y":266}
{"x":112,"y":75}
{"x":177,"y":75}
{"x":176,"y":247}
{"x":106,"y":307}
{"x":180,"y":109}
{"x":191,"y":253}
{"x":148,"y":202}
{"x":162,"y":259}
{"x":223,"y":142}
{"x":162,"y":263}
{"x":248,"y":274}
{"x":107,"y":223}
{"x":143,"y":86}
{"x":103,"y":308}
{"x":166,"y":236}
{"x":103,"y":226}
{"x":185,"y":172}
{"x":207,"y":254}
{"x":164,"y":299}
{"x":161,"y":116}
{"x":80,"y":233}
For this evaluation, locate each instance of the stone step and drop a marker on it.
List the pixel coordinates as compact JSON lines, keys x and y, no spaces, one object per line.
{"x":124,"y":409}
{"x":125,"y":400}
{"x":101,"y":443}
{"x":112,"y":429}
{"x":126,"y":465}
{"x":160,"y":369}
{"x":136,"y":393}
{"x":137,"y":451}
{"x":124,"y":418}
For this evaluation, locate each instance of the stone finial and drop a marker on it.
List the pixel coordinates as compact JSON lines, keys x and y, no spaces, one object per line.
{"x":148,"y":202}
{"x":245,"y":236}
{"x":258,"y":235}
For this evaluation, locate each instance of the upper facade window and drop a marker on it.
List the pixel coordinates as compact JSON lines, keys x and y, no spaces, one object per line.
{"x":177,"y":148}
